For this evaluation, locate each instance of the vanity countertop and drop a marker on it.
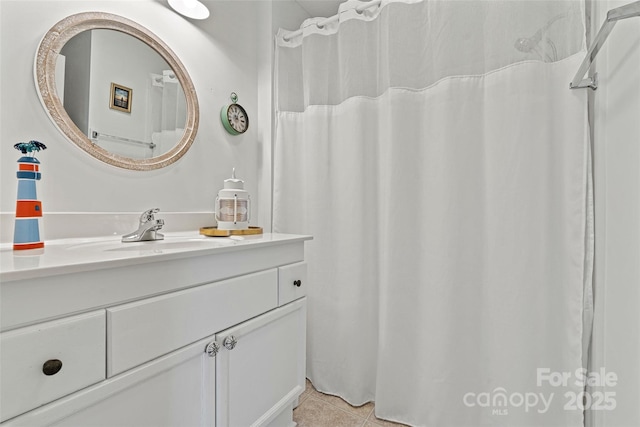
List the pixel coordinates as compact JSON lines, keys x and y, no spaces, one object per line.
{"x":78,"y":255}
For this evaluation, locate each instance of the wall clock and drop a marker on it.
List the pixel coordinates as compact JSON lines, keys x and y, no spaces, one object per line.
{"x":234,"y":118}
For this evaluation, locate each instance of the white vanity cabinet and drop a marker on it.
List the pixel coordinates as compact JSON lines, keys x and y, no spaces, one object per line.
{"x":225,"y":346}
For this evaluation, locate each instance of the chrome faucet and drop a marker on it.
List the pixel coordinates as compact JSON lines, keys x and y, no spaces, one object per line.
{"x":147,"y":230}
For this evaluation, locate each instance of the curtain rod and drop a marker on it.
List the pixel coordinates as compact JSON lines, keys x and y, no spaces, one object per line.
{"x":334,"y":18}
{"x":613,"y":16}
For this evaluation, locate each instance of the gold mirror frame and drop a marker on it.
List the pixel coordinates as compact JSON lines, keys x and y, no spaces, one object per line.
{"x":45,"y":74}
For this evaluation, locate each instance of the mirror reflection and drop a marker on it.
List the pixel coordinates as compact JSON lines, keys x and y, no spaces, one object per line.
{"x":121,"y":93}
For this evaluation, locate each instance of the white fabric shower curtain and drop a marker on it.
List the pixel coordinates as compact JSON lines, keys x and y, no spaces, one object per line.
{"x":436,"y":155}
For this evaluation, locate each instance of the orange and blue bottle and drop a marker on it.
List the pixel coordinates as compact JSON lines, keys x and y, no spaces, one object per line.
{"x":26,"y":233}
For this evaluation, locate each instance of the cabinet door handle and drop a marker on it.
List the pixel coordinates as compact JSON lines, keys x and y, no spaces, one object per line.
{"x":297,"y":283}
{"x":212,"y":349}
{"x":230,"y":342}
{"x":51,"y":367}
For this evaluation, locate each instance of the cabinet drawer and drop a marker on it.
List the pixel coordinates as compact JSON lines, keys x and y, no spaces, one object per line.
{"x":143,"y":330}
{"x":78,"y":342}
{"x":292,"y":282}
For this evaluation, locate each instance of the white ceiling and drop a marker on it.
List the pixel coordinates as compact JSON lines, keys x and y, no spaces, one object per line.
{"x":324,"y":8}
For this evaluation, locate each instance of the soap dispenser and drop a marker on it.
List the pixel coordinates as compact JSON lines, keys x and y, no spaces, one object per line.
{"x":233,"y":205}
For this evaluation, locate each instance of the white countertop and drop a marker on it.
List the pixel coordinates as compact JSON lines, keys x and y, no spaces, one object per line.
{"x":74,"y":255}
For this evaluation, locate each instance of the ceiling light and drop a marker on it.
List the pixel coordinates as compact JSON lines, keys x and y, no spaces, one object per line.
{"x":190,"y":8}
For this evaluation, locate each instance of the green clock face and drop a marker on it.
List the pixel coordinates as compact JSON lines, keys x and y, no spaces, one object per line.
{"x":235,"y":119}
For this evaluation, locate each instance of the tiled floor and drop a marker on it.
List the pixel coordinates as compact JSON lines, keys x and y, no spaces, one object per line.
{"x":322,"y":410}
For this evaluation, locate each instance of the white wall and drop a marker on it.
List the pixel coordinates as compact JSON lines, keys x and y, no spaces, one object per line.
{"x":221,"y":57}
{"x":616,"y":345}
{"x":278,"y":13}
{"x":288,"y":15}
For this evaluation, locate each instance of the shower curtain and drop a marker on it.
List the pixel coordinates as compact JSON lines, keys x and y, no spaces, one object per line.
{"x":436,"y":155}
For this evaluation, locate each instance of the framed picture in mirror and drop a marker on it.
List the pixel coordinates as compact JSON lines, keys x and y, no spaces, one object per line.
{"x":120,"y":98}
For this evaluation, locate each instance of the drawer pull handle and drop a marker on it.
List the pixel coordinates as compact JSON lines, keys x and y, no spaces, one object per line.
{"x":51,"y":367}
{"x":230,"y":342}
{"x":297,"y":283}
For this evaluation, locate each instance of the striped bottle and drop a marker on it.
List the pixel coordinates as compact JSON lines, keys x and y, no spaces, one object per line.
{"x":26,"y":233}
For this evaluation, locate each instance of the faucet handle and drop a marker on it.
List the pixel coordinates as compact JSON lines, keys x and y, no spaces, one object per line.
{"x":147,"y":216}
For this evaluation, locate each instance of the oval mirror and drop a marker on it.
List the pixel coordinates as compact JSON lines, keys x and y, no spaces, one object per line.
{"x":117,"y":91}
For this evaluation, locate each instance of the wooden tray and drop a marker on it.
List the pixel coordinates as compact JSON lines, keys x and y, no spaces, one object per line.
{"x":214,"y":232}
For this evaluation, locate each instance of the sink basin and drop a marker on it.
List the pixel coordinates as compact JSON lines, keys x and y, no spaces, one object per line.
{"x":159,"y":245}
{"x":169,"y":243}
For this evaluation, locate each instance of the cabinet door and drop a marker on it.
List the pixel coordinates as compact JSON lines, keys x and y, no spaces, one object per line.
{"x":261,"y":367}
{"x":174,"y":390}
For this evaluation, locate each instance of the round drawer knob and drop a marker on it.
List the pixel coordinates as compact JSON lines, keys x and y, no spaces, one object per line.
{"x":51,"y":367}
{"x":297,"y":283}
{"x":230,"y":342}
{"x":212,"y":349}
